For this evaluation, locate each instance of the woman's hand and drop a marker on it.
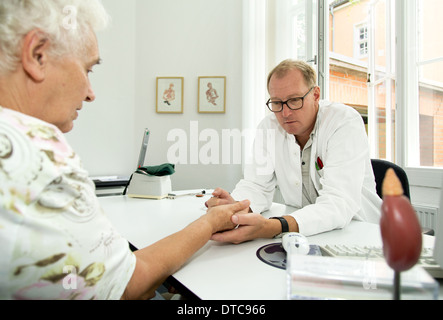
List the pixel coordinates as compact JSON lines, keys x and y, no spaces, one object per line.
{"x":219,"y":197}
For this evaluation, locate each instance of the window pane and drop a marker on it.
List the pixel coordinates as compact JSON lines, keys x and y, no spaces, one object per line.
{"x":430,"y":84}
{"x":299,"y":30}
{"x":362,"y":71}
{"x":385,"y":119}
{"x":348,"y":63}
{"x":383,"y":77}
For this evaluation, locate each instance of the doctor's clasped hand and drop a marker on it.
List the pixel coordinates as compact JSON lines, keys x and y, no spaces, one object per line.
{"x":249,"y":225}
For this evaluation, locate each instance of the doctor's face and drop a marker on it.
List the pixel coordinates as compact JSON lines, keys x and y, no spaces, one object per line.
{"x":299,"y":123}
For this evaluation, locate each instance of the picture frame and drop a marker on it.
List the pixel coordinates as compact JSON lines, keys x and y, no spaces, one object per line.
{"x":212,"y":94}
{"x":170,"y":93}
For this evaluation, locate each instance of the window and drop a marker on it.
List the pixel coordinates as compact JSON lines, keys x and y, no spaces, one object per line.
{"x":429,"y":84}
{"x":366,"y":78}
{"x":361,"y":41}
{"x":391,"y":71}
{"x":295,"y":25}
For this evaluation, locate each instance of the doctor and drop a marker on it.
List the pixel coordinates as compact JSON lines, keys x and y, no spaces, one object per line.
{"x":315,"y":151}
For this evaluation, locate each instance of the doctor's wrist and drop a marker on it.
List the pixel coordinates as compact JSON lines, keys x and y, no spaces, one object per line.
{"x":281,"y":225}
{"x":273,"y":228}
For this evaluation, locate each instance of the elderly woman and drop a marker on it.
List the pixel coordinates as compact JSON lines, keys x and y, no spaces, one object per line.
{"x":51,"y":224}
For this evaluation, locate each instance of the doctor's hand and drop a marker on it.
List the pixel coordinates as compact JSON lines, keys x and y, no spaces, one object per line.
{"x":250,"y":226}
{"x":220,"y":217}
{"x":219,"y":197}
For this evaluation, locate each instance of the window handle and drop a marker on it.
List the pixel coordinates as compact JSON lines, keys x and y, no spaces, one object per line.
{"x":313,"y":60}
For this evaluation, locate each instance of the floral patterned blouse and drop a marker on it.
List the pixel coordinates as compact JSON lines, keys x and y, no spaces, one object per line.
{"x":55,"y":240}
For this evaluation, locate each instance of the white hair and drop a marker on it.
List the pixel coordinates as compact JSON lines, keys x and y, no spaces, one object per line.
{"x":66,"y":23}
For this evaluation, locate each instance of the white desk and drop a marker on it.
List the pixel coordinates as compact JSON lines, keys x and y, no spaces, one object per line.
{"x":221,"y":271}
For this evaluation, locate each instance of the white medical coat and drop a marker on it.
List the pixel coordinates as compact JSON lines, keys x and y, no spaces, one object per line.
{"x":345,"y":185}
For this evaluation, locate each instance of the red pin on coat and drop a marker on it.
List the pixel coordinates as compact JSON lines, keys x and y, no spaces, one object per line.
{"x":319,"y":164}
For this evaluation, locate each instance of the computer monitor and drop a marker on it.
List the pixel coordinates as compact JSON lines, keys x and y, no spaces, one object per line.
{"x":144,"y":147}
{"x":438,"y":247}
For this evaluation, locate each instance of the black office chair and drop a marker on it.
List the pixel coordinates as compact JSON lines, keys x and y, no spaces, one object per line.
{"x":380,"y":167}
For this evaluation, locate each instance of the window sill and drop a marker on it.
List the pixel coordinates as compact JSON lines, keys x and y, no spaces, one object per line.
{"x":425,"y":177}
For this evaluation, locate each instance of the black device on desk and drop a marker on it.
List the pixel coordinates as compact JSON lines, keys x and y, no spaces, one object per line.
{"x":110,"y":186}
{"x":111,"y":182}
{"x":144,"y":147}
{"x":107,"y":183}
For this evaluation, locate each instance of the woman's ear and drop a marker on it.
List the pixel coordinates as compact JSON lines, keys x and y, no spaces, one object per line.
{"x":35,"y":54}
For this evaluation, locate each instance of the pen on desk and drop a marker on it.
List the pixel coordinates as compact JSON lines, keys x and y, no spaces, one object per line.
{"x":198,"y":194}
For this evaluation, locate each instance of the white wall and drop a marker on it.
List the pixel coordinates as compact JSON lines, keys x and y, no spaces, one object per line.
{"x":103,"y":135}
{"x":149,"y":39}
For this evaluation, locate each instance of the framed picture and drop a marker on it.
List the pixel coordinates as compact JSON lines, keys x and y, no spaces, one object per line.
{"x":170,"y":94}
{"x":212,"y":94}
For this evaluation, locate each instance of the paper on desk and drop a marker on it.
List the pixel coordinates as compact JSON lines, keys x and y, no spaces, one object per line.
{"x":109,"y":178}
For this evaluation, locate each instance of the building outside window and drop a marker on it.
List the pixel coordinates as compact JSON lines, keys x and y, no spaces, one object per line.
{"x":363,"y":75}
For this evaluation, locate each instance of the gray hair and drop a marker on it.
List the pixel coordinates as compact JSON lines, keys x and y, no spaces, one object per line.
{"x":67,"y":24}
{"x":287,"y":65}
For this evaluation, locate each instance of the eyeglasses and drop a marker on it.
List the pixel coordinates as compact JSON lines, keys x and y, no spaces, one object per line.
{"x":293,"y":104}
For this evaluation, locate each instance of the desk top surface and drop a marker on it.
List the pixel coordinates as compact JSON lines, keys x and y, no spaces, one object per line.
{"x":221,"y":271}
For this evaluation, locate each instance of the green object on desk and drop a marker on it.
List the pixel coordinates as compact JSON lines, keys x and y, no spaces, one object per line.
{"x":165,"y":169}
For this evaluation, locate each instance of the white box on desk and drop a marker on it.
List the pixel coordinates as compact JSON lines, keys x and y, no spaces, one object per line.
{"x":149,"y":187}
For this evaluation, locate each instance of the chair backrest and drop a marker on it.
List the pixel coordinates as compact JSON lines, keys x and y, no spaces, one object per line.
{"x":380,"y":167}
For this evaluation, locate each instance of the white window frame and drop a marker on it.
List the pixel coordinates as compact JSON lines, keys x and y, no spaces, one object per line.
{"x":407,"y":125}
{"x":389,"y":77}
